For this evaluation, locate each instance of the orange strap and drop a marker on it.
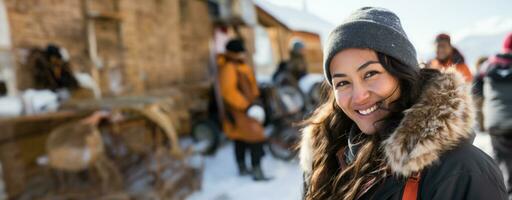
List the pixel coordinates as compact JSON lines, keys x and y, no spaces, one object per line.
{"x":412,"y":187}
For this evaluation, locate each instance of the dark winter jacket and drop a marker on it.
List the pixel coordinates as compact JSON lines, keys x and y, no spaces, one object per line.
{"x":297,"y":65}
{"x":433,"y":138}
{"x":291,"y":71}
{"x":494,"y":83}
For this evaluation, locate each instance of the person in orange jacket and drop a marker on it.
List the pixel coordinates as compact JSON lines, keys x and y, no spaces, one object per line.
{"x":239,"y":92}
{"x":447,"y":56}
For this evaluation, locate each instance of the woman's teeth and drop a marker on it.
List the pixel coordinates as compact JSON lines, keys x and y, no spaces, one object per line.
{"x":369,"y":110}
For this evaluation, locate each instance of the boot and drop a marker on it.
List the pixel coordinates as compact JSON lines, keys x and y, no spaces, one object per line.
{"x":257,"y":174}
{"x":242,"y":170}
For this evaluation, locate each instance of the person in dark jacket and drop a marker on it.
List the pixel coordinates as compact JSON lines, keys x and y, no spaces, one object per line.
{"x":52,"y":71}
{"x":496,"y":78}
{"x":297,"y":63}
{"x":289,"y":72}
{"x":390,"y":130}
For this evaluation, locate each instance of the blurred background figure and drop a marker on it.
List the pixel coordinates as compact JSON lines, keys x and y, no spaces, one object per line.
{"x":496,"y":78}
{"x":297,"y":63}
{"x":51,"y":69}
{"x":447,"y":56}
{"x":289,"y":72}
{"x":240,"y":91}
{"x":479,"y":101}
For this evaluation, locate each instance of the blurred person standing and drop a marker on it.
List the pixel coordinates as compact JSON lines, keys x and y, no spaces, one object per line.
{"x":479,"y":101}
{"x":240,"y":92}
{"x":494,"y":85}
{"x":447,"y":56}
{"x":291,"y":71}
{"x":297,"y":63}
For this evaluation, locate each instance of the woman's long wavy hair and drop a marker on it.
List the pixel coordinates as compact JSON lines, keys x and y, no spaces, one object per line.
{"x":330,"y":128}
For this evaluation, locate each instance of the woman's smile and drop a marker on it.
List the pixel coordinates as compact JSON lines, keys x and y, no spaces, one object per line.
{"x":368,"y":111}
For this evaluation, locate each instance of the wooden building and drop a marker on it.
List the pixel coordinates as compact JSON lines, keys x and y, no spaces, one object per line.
{"x":134,"y":48}
{"x":282,"y":33}
{"x":129,"y":47}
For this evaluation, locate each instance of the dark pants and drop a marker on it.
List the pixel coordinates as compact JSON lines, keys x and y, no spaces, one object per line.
{"x":502,"y":145}
{"x":255,"y":149}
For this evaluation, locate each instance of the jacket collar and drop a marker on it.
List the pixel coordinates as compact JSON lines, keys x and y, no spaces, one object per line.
{"x":440,"y":120}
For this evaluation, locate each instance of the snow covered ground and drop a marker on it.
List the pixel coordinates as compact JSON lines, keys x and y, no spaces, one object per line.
{"x":221,"y":180}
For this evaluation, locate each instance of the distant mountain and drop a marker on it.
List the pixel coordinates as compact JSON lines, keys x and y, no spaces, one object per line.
{"x":475,"y":46}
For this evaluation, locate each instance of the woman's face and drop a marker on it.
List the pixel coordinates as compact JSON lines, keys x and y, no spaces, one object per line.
{"x":364,"y":90}
{"x":443,"y":50}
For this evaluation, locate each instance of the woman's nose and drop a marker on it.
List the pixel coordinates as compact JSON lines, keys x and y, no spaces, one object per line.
{"x":360,"y":94}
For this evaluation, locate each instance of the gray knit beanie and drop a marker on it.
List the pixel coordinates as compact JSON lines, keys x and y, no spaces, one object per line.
{"x":374,"y":28}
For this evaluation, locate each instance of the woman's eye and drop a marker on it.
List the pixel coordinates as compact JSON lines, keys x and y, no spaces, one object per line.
{"x":342,"y":83}
{"x":370,"y":74}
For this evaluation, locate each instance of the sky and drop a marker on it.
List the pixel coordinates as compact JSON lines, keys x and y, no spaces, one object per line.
{"x":422,"y":20}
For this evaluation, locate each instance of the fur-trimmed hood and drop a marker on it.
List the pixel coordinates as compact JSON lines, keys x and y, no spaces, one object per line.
{"x":440,"y":120}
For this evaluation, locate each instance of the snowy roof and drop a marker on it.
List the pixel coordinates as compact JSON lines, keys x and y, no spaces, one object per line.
{"x":297,"y":20}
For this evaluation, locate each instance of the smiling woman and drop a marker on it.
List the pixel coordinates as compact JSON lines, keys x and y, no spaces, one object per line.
{"x":390,"y":130}
{"x":363,"y":93}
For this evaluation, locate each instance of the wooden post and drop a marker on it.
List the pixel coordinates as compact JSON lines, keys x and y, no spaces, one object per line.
{"x":7,"y":67}
{"x":91,"y":43}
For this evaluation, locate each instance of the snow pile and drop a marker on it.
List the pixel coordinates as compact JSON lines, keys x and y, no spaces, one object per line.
{"x":10,"y":106}
{"x":40,"y":101}
{"x":221,"y":180}
{"x":30,"y":102}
